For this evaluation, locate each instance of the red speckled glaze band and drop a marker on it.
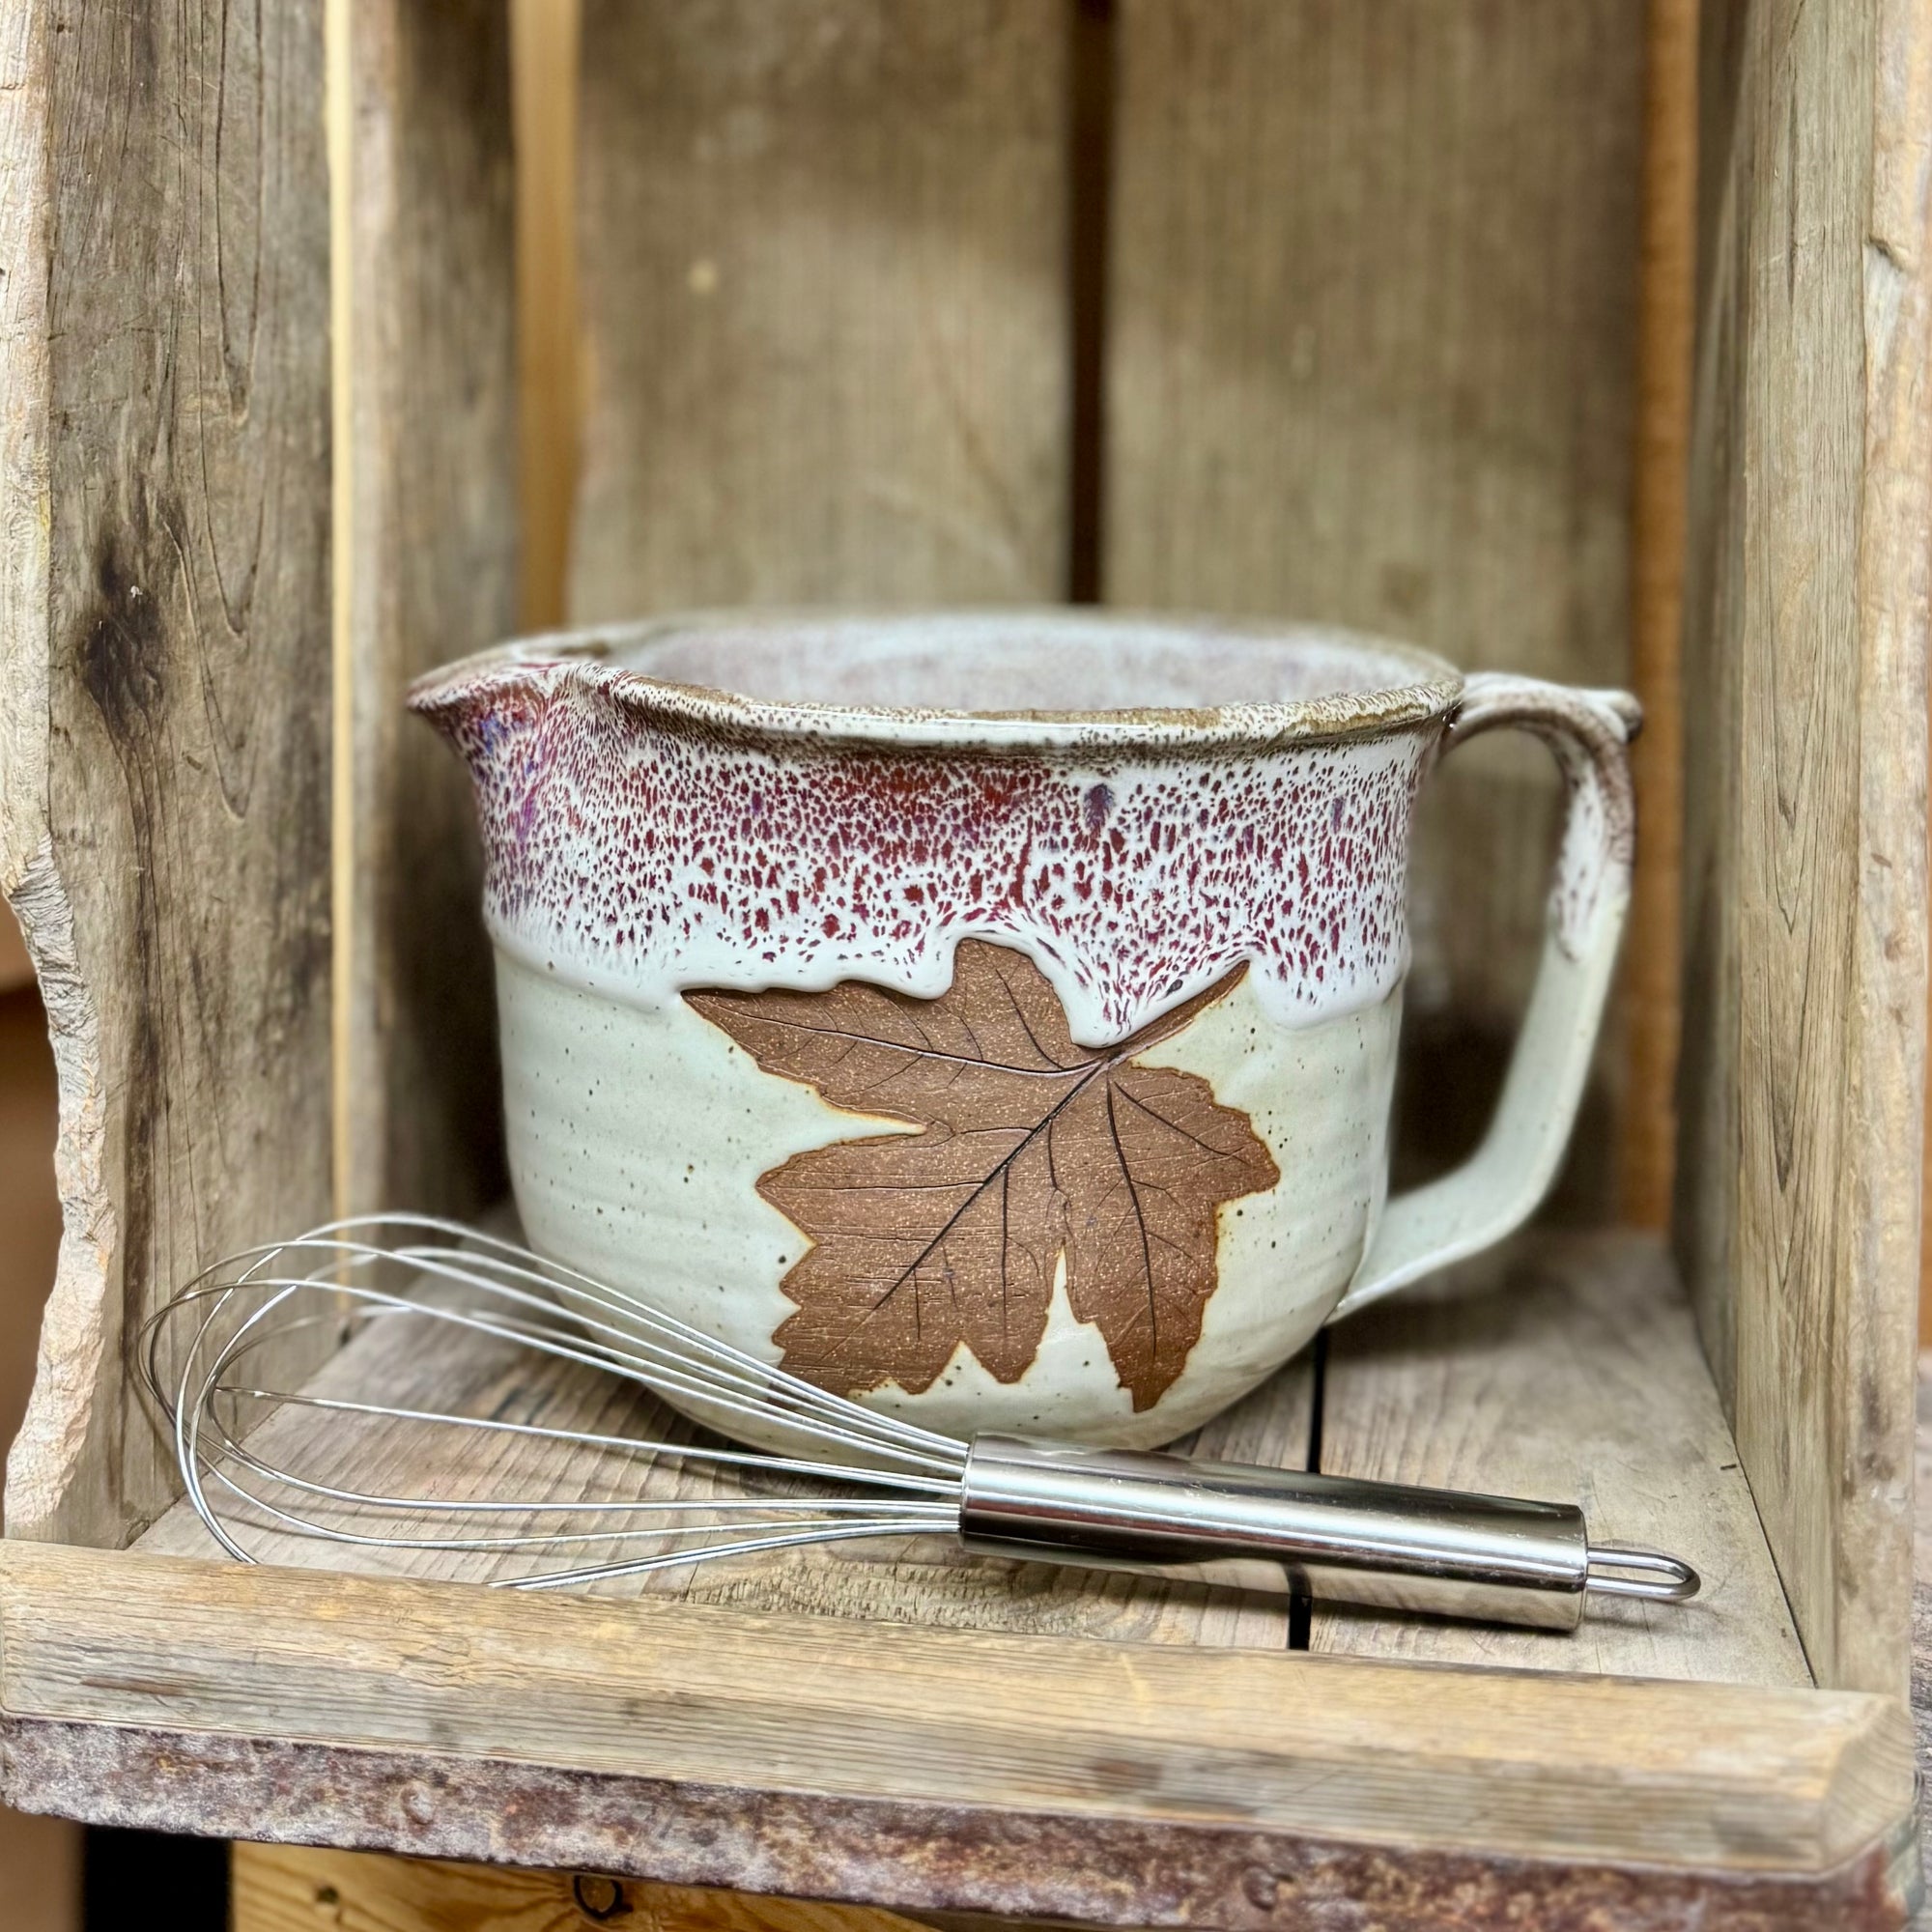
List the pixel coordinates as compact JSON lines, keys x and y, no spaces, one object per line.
{"x":647,"y":837}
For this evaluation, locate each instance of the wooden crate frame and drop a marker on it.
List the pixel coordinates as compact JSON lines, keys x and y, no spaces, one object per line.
{"x":231,"y":921}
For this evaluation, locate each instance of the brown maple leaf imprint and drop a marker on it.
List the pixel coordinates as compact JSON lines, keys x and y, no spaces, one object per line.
{"x":1031,"y":1147}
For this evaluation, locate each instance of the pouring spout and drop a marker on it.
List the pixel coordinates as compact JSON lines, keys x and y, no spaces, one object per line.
{"x":478,"y":700}
{"x":496,"y":711}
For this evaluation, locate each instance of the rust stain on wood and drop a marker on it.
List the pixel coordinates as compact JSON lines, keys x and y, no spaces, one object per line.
{"x":908,"y":1856}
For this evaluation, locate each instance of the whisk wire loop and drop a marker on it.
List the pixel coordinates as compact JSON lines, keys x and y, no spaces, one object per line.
{"x":239,"y":1308}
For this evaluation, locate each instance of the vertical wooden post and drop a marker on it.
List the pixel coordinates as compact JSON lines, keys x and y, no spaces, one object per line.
{"x":165,"y":709}
{"x":1667,"y":252}
{"x":1806,"y":992}
{"x":544,"y":36}
{"x":426,"y":569}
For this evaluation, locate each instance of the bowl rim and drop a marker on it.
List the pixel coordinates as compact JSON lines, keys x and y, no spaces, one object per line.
{"x":583,"y":656}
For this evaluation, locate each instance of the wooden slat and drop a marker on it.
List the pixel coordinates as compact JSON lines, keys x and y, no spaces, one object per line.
{"x":1705,"y":1201}
{"x":544,"y":66}
{"x":926,"y":1581}
{"x":293,"y":1889}
{"x":429,"y":572}
{"x":1798,"y":1205}
{"x":1653,"y":964}
{"x":1371,"y":347}
{"x":875,"y":1766}
{"x":1566,"y":1368}
{"x":823,"y":250}
{"x":26,"y":196}
{"x":167,"y":678}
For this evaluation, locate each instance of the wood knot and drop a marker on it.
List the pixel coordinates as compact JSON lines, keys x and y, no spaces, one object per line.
{"x":597,"y":1897}
{"x":123,"y":644}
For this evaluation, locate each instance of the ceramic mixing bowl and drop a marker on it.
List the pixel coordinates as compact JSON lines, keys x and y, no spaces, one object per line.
{"x":992,"y":1016}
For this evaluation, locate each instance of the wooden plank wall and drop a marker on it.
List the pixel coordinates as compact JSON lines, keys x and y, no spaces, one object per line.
{"x":426,"y":404}
{"x":1802,"y":1084}
{"x":1371,"y":352}
{"x":824,"y":304}
{"x":184,"y":821}
{"x":164,"y":624}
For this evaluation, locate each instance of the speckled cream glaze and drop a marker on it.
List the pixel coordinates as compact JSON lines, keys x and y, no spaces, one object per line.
{"x":644,"y":836}
{"x":638,"y":1135}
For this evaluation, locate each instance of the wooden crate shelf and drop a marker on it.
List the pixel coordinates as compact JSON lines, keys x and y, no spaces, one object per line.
{"x":1530,"y":1365}
{"x":968,"y":1706}
{"x":926,"y":1768}
{"x":1261,"y":305}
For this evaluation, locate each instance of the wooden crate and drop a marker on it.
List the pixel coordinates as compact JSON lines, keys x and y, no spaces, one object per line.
{"x":1254,"y":305}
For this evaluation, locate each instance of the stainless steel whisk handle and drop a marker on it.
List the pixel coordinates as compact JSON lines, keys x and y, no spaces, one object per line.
{"x":1491,"y":1559}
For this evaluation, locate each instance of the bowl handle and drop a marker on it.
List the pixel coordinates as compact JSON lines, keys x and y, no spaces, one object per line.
{"x":1500,"y":1185}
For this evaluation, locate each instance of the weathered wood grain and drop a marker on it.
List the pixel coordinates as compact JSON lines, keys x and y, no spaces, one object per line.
{"x":823,"y":252}
{"x":1798,"y":1216}
{"x":428,"y":571}
{"x":290,"y":1889}
{"x":26,"y":870}
{"x":1566,"y":1367}
{"x":1371,"y":345}
{"x":960,"y":1754}
{"x":166,"y":682}
{"x":926,"y":1580}
{"x":26,"y":214}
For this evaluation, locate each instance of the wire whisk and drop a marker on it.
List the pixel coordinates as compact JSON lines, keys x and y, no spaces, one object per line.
{"x":212,"y":1357}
